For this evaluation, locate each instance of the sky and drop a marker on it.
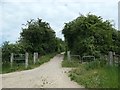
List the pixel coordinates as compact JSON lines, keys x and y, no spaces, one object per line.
{"x":14,"y":13}
{"x":119,"y":15}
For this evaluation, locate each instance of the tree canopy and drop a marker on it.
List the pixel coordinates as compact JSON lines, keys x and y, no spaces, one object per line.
{"x":38,"y":36}
{"x":91,"y":35}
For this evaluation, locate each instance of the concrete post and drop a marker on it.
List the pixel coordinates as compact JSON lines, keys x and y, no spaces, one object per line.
{"x":26,"y":60}
{"x":11,"y":59}
{"x":34,"y":58}
{"x":68,"y":55}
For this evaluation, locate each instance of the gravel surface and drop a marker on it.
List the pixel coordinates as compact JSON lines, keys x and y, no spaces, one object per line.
{"x":48,"y":75}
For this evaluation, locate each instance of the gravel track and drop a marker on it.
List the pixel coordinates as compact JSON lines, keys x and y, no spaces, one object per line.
{"x":48,"y":75}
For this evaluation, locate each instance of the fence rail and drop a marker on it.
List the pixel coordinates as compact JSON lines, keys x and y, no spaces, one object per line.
{"x":111,"y":58}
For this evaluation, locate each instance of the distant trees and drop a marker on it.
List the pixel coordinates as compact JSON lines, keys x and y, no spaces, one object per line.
{"x":60,"y":45}
{"x":91,"y":35}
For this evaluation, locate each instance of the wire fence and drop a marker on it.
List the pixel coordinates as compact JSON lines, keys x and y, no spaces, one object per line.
{"x":111,"y":58}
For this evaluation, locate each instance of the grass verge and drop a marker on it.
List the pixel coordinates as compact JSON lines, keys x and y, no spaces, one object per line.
{"x":101,"y":77}
{"x":95,"y":74}
{"x":6,"y":68}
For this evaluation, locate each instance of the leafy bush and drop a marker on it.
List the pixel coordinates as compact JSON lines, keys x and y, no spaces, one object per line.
{"x":39,"y":37}
{"x":91,"y":35}
{"x":8,"y":48}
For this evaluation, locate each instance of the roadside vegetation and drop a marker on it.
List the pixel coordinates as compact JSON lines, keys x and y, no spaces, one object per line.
{"x":95,"y":74}
{"x":86,"y":35}
{"x":36,"y":36}
{"x":92,"y":76}
{"x":92,"y":35}
{"x":6,"y":68}
{"x":70,"y":63}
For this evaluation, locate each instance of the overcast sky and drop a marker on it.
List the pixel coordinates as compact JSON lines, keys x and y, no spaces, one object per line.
{"x":14,"y":13}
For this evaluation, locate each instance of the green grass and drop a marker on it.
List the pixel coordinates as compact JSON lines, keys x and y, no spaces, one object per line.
{"x":95,"y":74}
{"x":70,"y":63}
{"x":100,"y":77}
{"x":6,"y":68}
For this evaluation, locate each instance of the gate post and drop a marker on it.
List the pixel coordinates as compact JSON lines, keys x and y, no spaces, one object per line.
{"x":26,"y":60}
{"x":68,"y":55}
{"x":11,"y":59}
{"x":34,"y":57}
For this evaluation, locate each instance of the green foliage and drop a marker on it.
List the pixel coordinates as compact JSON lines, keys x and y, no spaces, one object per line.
{"x":38,"y":36}
{"x":116,"y":40}
{"x":60,"y":45}
{"x":94,"y":74}
{"x":7,"y":49}
{"x":91,"y":35}
{"x":105,"y":77}
{"x":73,"y":63}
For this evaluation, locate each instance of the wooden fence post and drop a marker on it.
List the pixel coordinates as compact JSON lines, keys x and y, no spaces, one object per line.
{"x":11,"y":59}
{"x":68,"y":55}
{"x":26,"y":59}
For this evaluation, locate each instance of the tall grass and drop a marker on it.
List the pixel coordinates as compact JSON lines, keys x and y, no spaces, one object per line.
{"x":93,"y":75}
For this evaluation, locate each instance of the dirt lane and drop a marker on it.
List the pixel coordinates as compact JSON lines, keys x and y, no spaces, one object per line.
{"x":48,"y":75}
